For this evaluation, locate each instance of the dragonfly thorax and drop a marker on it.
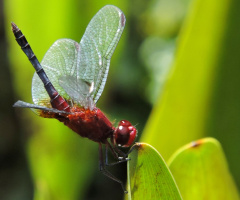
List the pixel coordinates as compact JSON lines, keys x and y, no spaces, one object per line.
{"x":92,"y":124}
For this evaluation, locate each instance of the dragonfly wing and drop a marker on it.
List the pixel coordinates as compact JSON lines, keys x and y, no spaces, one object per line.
{"x":97,"y":46}
{"x":74,"y":68}
{"x":78,"y":90}
{"x":60,"y":60}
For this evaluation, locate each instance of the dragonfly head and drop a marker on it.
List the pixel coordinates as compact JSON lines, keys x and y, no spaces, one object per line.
{"x":124,"y":135}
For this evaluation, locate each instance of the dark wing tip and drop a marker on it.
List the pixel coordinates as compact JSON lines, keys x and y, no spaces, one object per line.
{"x":123,"y":20}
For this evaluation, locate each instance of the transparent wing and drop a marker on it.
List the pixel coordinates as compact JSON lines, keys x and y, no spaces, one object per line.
{"x":79,"y":91}
{"x":96,"y":48}
{"x":79,"y":72}
{"x":59,"y":61}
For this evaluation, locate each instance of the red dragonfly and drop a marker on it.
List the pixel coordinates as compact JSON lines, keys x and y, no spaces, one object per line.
{"x":78,"y":73}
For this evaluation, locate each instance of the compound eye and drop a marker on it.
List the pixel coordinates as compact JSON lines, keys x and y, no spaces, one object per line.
{"x":124,"y":134}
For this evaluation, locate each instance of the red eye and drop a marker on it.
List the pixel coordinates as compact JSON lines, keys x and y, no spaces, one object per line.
{"x":124,"y":134}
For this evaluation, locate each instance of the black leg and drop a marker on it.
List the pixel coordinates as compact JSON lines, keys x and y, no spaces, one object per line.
{"x":120,"y":159}
{"x":105,"y":172}
{"x":117,"y":151}
{"x":115,"y":155}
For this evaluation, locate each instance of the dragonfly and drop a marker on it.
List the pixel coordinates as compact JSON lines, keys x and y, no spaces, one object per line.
{"x":71,"y":78}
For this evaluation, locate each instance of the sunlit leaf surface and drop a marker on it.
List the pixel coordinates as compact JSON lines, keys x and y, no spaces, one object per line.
{"x":201,"y":97}
{"x":201,"y":171}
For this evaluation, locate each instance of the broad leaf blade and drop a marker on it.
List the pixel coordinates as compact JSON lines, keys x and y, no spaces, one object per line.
{"x":201,"y":171}
{"x":201,"y":96}
{"x":149,"y":176}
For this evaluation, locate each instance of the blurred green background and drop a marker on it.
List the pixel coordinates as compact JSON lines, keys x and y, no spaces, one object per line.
{"x":179,"y":57}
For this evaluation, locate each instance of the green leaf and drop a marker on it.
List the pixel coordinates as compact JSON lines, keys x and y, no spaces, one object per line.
{"x":201,"y":171}
{"x":201,"y":96}
{"x":149,"y":176}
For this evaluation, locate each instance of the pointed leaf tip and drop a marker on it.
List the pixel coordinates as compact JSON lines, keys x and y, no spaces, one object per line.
{"x":149,"y":176}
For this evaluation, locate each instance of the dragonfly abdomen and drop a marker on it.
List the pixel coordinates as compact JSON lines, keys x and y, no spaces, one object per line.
{"x":57,"y":101}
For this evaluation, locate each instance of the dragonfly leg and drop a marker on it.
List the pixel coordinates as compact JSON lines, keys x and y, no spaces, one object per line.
{"x":115,"y":154}
{"x":125,"y":155}
{"x":106,"y":172}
